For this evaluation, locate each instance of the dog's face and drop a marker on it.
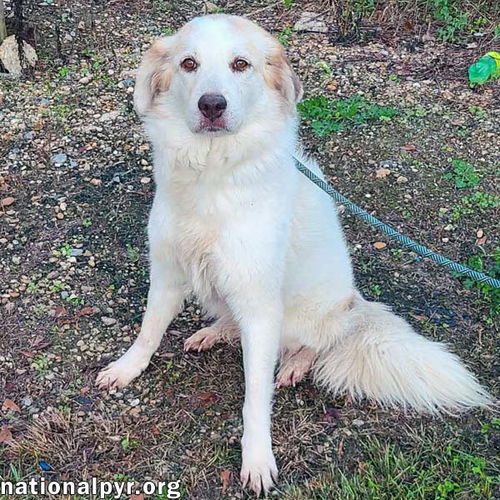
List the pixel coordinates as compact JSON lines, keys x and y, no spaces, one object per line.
{"x":215,"y":74}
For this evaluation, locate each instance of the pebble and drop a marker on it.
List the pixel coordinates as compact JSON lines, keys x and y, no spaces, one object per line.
{"x":108,"y":117}
{"x":402,"y":179}
{"x":108,"y":321}
{"x":76,"y":252}
{"x":59,"y":158}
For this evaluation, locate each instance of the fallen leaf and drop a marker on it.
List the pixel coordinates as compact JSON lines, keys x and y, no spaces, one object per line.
{"x":409,"y":147}
{"x":225,"y":477}
{"x":86,"y":311}
{"x":332,"y":85}
{"x":381,"y":173}
{"x":5,"y":434}
{"x":8,"y":404}
{"x":140,"y":496}
{"x":379,"y":245}
{"x":59,"y":311}
{"x":155,"y":430}
{"x":481,"y":241}
{"x":6,"y":202}
{"x":28,"y":354}
{"x":204,"y":398}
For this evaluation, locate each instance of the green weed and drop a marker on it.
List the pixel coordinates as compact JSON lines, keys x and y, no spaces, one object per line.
{"x":479,"y":201}
{"x":479,"y":112}
{"x":167,"y":30}
{"x":488,"y":295}
{"x":65,"y":250}
{"x":129,"y":444}
{"x":284,"y":36}
{"x":454,"y":20}
{"x":327,"y":116}
{"x":464,"y":175}
{"x":57,"y":286}
{"x":64,"y":71}
{"x":132,"y":253}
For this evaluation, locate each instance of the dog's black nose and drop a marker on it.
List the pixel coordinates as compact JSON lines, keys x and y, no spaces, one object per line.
{"x":212,"y":105}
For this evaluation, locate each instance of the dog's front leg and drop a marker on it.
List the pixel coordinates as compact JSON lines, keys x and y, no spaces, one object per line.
{"x":252,"y":289}
{"x":260,"y":331}
{"x":165,"y":298}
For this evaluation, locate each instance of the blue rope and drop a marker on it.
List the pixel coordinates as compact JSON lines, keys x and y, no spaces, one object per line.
{"x":407,"y":242}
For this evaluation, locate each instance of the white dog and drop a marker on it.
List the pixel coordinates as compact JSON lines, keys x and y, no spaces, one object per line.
{"x":261,"y":247}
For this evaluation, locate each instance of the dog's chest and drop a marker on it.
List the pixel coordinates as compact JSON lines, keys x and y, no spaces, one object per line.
{"x":201,"y":215}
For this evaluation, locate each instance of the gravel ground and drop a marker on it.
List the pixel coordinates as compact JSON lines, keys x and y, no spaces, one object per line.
{"x":76,"y":186}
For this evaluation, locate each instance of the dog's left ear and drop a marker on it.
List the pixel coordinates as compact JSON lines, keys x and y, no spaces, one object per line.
{"x":280,"y":76}
{"x":153,"y":76}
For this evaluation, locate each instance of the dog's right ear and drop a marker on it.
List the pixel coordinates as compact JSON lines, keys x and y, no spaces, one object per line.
{"x":153,"y":76}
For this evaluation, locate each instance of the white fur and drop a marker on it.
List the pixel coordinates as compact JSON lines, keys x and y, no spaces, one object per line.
{"x":236,"y":223}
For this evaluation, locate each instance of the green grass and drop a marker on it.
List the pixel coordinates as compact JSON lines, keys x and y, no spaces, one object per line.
{"x":328,"y":116}
{"x":464,"y":175}
{"x":387,"y":472}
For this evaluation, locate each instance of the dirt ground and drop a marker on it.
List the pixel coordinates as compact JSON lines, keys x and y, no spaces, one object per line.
{"x":75,"y":170}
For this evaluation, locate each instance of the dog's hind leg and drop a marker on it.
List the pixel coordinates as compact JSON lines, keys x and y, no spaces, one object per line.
{"x":223,"y":330}
{"x":296,"y":361}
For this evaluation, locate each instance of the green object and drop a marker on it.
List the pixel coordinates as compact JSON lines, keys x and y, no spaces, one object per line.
{"x":486,"y":68}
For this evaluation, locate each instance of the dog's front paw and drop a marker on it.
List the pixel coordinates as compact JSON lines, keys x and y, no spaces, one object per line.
{"x":258,"y":470}
{"x":121,"y":372}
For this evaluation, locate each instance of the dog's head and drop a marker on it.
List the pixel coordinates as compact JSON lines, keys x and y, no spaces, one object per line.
{"x":216,"y":74}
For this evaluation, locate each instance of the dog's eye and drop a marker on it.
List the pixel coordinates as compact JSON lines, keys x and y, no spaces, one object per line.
{"x":189,"y":64}
{"x":240,"y":64}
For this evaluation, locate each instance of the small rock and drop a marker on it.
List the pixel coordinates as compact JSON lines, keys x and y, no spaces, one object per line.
{"x":358,"y":422}
{"x":388,"y":164}
{"x":402,"y":179}
{"x":311,"y":21}
{"x":108,"y":321}
{"x":9,"y":55}
{"x":382,"y":172}
{"x":84,"y":80}
{"x":135,"y":402}
{"x":26,"y":401}
{"x":59,"y":158}
{"x":211,"y":8}
{"x":28,"y":136}
{"x":145,"y":180}
{"x":76,"y":252}
{"x":108,"y":117}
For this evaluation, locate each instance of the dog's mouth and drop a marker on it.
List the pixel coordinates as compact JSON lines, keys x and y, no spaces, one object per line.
{"x":216,"y":125}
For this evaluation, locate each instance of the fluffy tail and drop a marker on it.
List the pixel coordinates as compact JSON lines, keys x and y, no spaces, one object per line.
{"x":382,"y":358}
